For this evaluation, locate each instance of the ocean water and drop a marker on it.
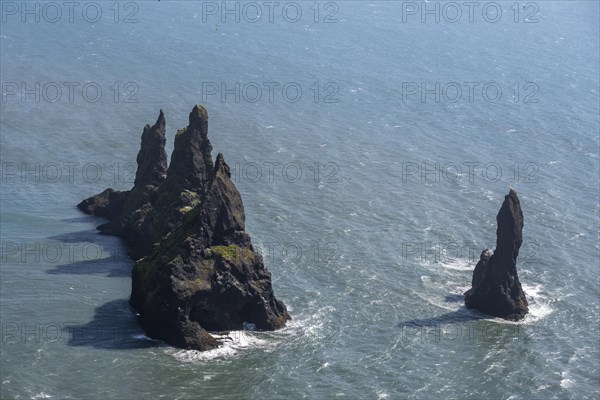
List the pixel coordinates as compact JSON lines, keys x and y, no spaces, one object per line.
{"x":369,"y":190}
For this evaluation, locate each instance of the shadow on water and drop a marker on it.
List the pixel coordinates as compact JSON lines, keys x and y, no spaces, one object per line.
{"x":83,"y":236}
{"x":88,"y":252}
{"x":113,"y":327}
{"x":94,"y":267}
{"x":454,"y":317}
{"x":87,"y":219}
{"x":463,"y":314}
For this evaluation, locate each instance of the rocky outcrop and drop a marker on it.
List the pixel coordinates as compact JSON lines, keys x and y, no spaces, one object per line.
{"x":186,"y":178}
{"x":107,"y":204}
{"x":197,"y":269}
{"x":160,"y":196}
{"x":126,"y":210}
{"x":496,"y":289}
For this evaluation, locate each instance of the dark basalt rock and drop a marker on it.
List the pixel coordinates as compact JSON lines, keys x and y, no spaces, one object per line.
{"x":496,"y":289}
{"x":197,"y":270}
{"x":124,"y":209}
{"x":188,"y":173}
{"x":107,"y":204}
{"x":160,"y":195}
{"x":152,"y":158}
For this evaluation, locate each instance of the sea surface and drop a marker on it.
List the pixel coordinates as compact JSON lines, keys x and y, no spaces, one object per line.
{"x":373,"y":146}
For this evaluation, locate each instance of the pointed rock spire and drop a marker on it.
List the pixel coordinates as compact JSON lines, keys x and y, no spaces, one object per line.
{"x":152,"y":157}
{"x":223,"y":211}
{"x":496,"y":289}
{"x":191,"y":160}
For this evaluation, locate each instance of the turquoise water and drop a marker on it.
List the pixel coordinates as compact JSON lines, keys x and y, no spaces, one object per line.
{"x":369,"y":249}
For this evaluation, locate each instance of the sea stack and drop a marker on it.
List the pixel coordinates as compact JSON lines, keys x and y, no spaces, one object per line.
{"x":496,"y":289}
{"x":196,"y":270}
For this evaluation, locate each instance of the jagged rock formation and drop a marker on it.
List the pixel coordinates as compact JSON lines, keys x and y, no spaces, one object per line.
{"x":496,"y":289}
{"x":197,"y":270}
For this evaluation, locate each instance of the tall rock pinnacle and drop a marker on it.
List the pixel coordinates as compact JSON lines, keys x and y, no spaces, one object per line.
{"x":152,"y":157}
{"x":191,"y":159}
{"x":496,"y":289}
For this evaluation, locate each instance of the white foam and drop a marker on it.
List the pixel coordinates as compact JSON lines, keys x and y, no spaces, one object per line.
{"x":325,"y":365}
{"x":566,"y":383}
{"x":539,"y":302}
{"x":233,"y":343}
{"x":458,"y":264}
{"x":314,"y":328}
{"x":317,"y":327}
{"x":42,"y":395}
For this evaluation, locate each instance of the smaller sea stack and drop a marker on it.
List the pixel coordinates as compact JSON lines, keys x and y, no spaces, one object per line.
{"x":496,"y":289}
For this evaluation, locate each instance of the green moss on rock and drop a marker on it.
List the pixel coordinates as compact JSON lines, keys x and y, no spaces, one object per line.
{"x":231,"y":252}
{"x":181,"y":131}
{"x":201,"y":111}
